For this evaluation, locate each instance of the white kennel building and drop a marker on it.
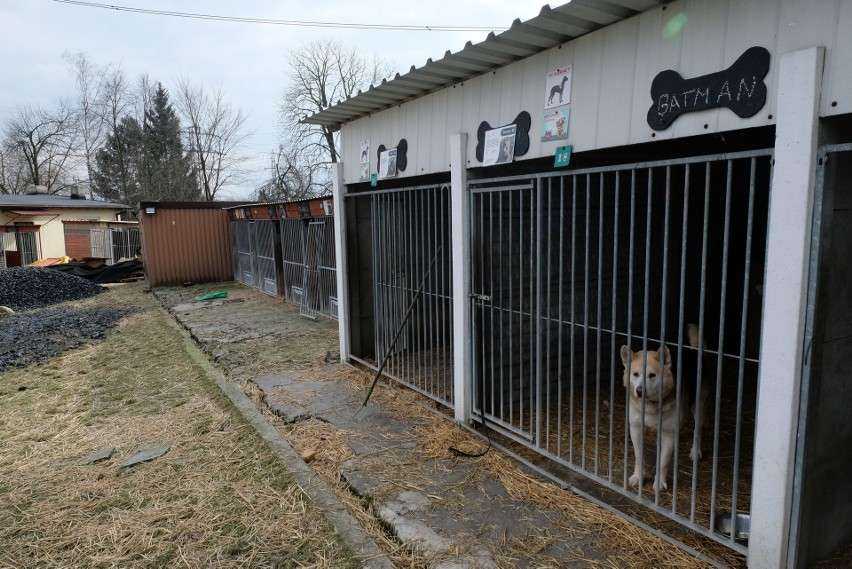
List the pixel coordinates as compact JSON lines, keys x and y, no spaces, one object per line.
{"x":707,"y":183}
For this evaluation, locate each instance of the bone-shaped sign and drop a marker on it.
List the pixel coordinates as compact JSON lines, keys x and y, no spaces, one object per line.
{"x":739,"y":88}
{"x":401,"y":158}
{"x":522,"y":135}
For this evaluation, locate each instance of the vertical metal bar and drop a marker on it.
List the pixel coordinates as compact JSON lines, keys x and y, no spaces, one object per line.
{"x":645,"y":303}
{"x":721,"y":343}
{"x":446,"y":259}
{"x":491,"y":294}
{"x":377,"y":303}
{"x":598,"y":323}
{"x":573,"y":317}
{"x":613,"y":381}
{"x":702,"y":295}
{"x":534,"y":278}
{"x":420,"y":332}
{"x":586,"y":217}
{"x":537,"y":311}
{"x":523,"y":211}
{"x":411,"y":259}
{"x":680,"y":320}
{"x":560,"y":377}
{"x":434,"y":312}
{"x":663,"y":301}
{"x":545,"y":310}
{"x":629,"y":339}
{"x":483,"y":247}
{"x":742,"y":354}
{"x":501,"y":308}
{"x":511,"y":277}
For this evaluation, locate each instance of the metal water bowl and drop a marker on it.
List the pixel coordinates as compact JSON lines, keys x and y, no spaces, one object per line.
{"x":724,"y":523}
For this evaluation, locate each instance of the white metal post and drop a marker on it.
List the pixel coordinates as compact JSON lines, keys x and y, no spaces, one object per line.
{"x":784,"y":306}
{"x":459,"y":204}
{"x":341,"y":272}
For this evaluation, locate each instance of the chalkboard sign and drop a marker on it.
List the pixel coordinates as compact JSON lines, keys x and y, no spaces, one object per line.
{"x":739,"y":88}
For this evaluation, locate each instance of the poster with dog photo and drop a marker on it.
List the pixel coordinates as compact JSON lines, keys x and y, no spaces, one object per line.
{"x":387,"y":164}
{"x":554,"y":126}
{"x":557,"y":90}
{"x":499,"y":145}
{"x":365,"y":160}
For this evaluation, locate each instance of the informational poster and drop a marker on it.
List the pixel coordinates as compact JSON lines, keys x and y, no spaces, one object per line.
{"x":554,"y":125}
{"x":387,"y":164}
{"x":365,"y":160}
{"x":558,"y":88}
{"x":499,"y":145}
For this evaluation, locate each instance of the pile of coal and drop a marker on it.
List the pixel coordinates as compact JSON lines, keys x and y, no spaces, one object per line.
{"x":34,"y":337}
{"x":24,"y":288}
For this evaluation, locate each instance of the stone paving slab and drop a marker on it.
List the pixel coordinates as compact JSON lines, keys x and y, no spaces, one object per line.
{"x":456,"y":517}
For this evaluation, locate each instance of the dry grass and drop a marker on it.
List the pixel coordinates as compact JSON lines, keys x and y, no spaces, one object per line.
{"x":218,"y":498}
{"x":618,"y":543}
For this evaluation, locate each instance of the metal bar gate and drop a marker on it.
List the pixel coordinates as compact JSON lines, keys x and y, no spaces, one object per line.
{"x":410,"y":241}
{"x":568,"y":267}
{"x":242,"y":251}
{"x":309,"y":265}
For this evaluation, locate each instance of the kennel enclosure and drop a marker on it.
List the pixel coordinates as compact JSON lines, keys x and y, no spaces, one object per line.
{"x":287,"y":249}
{"x":714,"y":200}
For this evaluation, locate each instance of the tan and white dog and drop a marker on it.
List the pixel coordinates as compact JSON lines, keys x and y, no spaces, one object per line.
{"x":654,"y":403}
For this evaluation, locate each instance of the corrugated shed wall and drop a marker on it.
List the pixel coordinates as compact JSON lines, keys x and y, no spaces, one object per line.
{"x":185,"y":244}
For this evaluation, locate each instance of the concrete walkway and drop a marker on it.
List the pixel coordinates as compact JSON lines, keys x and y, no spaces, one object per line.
{"x":455,"y":512}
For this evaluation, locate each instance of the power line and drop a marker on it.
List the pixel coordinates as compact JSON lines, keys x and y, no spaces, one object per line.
{"x":296,"y":23}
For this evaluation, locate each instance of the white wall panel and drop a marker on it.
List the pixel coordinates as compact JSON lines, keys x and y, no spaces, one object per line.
{"x":612,"y":71}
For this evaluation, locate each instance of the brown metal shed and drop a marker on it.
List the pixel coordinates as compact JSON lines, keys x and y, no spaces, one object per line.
{"x":186,"y":242}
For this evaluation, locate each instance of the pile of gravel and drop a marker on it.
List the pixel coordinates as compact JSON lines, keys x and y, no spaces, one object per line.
{"x":23,"y":288}
{"x":34,"y":337}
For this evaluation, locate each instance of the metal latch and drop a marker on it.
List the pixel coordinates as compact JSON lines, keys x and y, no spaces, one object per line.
{"x":480,"y":297}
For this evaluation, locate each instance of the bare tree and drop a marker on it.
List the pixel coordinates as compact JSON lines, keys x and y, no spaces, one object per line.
{"x":13,"y":172}
{"x":323,"y":73}
{"x":295,"y":174}
{"x":91,"y":83}
{"x":214,"y":132}
{"x":42,"y":144}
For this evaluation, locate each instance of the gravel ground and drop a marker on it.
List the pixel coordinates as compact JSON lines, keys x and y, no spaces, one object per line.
{"x":25,"y":288}
{"x":44,"y":331}
{"x":34,"y":337}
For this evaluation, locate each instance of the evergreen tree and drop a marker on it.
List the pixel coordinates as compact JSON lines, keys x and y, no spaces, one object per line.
{"x":166,"y":171}
{"x":116,"y":177}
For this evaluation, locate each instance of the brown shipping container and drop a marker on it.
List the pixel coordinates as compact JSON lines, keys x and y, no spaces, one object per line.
{"x":186,"y":242}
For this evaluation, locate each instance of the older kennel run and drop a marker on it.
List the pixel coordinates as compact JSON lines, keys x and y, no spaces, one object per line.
{"x":402,"y":317}
{"x":308,"y":256}
{"x":568,"y":267}
{"x":254,"y":243}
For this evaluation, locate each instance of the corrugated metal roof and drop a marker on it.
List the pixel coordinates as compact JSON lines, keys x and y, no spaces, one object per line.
{"x":51,"y":201}
{"x":552,"y":27}
{"x":33,"y":212}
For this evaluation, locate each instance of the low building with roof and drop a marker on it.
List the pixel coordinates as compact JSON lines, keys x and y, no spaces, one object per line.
{"x":41,"y":226}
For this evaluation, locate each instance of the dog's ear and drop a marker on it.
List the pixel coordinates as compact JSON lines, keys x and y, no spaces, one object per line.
{"x":666,"y":356}
{"x":625,"y":355}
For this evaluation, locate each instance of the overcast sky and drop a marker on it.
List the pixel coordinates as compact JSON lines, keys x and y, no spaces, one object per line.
{"x":247,"y":59}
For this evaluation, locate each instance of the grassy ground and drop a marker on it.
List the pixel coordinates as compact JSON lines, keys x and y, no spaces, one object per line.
{"x":218,"y":498}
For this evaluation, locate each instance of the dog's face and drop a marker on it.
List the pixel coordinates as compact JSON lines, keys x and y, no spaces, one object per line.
{"x":651,"y":381}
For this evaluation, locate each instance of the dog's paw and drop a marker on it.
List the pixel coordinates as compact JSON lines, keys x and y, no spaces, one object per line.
{"x":635,"y":480}
{"x":695,"y":453}
{"x":659,"y":486}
